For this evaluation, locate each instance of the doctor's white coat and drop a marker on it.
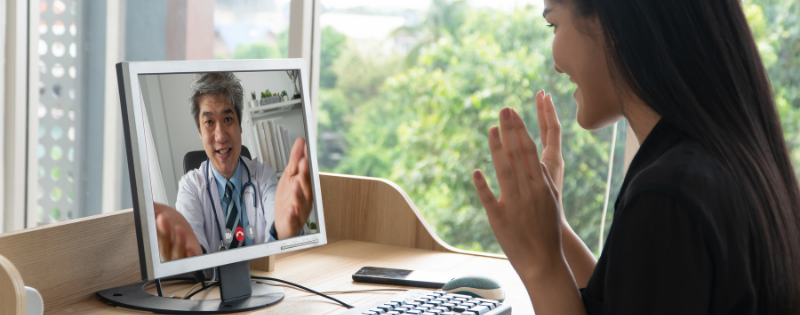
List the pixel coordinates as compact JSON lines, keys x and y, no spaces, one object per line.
{"x":194,"y":203}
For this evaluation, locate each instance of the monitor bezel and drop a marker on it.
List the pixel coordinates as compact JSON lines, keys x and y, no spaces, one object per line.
{"x":131,"y":103}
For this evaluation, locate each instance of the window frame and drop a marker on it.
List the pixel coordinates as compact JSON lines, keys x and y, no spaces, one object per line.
{"x":304,"y":42}
{"x":15,"y":111}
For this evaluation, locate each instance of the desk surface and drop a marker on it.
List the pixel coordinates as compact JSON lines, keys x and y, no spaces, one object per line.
{"x":374,"y":221}
{"x":329,"y":268}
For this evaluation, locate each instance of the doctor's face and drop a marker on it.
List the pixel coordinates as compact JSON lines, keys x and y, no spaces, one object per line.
{"x":220,"y":132}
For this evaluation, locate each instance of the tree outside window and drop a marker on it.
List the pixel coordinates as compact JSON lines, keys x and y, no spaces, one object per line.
{"x":411,"y":100}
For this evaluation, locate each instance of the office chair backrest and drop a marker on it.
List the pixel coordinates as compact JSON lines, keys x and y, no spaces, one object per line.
{"x":193,"y":159}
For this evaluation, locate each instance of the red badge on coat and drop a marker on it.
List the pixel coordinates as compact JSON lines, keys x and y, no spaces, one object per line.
{"x":239,"y":234}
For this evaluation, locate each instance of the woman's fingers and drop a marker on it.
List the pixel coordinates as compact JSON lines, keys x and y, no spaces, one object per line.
{"x":553,"y":133}
{"x":531,"y":154}
{"x":540,"y":116}
{"x":488,"y":199}
{"x":505,"y":173}
{"x":512,"y":148}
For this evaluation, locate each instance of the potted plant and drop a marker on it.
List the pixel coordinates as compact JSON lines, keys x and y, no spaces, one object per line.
{"x":268,"y":98}
{"x":312,"y":226}
{"x":253,"y":102}
{"x":284,"y":96}
{"x":293,"y":75}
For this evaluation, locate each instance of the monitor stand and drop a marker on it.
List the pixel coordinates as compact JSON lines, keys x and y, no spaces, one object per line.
{"x":238,"y":293}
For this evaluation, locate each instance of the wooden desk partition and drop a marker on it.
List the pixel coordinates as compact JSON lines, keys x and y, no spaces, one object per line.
{"x":12,"y":291}
{"x":68,"y":262}
{"x":377,"y":211}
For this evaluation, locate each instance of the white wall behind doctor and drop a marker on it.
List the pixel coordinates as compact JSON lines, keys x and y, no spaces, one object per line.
{"x":174,"y":131}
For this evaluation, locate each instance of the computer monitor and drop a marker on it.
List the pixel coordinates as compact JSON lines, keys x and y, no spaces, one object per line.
{"x":222,"y":164}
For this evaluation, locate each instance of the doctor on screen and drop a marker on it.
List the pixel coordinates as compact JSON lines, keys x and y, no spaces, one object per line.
{"x":231,"y":201}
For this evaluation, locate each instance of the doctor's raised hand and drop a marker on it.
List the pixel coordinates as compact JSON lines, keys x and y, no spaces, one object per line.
{"x":526,"y":218}
{"x":293,"y":197}
{"x":175,"y":237}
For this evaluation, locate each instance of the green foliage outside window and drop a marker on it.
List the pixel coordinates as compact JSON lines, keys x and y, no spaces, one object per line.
{"x":260,"y":50}
{"x":421,"y":122}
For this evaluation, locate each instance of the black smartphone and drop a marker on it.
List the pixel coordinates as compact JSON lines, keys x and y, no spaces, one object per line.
{"x":411,"y":278}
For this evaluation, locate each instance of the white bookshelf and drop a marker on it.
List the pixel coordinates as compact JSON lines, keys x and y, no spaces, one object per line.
{"x":273,"y":108}
{"x":288,"y":113}
{"x":255,"y":114}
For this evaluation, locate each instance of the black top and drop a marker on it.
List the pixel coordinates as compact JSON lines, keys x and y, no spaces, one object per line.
{"x":674,"y":247}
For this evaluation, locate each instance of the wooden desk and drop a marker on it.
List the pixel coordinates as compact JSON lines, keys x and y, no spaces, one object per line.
{"x":370,"y":222}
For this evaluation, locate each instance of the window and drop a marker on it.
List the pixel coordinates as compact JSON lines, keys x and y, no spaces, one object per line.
{"x":410,"y":99}
{"x":251,"y":29}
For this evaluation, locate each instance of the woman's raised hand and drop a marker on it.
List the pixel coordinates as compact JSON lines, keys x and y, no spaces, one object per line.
{"x":526,"y":218}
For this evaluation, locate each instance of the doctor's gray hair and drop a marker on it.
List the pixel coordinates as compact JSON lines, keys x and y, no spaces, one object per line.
{"x":215,"y":83}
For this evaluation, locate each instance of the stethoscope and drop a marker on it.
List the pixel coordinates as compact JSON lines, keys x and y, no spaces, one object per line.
{"x":250,"y":229}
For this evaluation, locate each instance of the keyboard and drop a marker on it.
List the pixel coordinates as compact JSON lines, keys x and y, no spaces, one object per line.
{"x":420,"y":302}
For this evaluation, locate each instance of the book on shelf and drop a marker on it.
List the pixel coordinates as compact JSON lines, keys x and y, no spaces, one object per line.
{"x":270,"y":146}
{"x":284,"y":134}
{"x":266,"y":141}
{"x":280,"y":150}
{"x":261,"y":142}
{"x":275,"y":144}
{"x":287,"y":146}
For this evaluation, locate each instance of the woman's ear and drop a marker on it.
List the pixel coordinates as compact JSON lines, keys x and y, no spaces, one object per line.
{"x":594,"y":28}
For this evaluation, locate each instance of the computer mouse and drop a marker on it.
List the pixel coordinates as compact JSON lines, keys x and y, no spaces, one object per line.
{"x":477,"y":286}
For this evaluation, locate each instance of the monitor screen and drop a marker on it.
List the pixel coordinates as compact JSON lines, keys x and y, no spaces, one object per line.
{"x":229,"y":165}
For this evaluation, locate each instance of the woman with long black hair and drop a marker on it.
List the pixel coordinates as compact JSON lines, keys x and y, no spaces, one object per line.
{"x":706,"y":221}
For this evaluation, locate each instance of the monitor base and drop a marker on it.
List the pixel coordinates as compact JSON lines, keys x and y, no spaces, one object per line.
{"x":135,"y":297}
